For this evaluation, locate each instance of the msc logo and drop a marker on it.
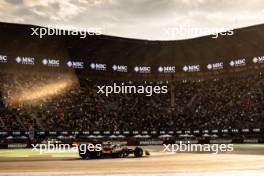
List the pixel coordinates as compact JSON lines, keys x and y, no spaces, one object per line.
{"x":75,"y":64}
{"x":237,"y":63}
{"x":51,"y":62}
{"x":258,"y":60}
{"x":191,"y":68}
{"x":120,"y":68}
{"x":142,"y":69}
{"x":25,"y":60}
{"x":167,"y":69}
{"x":3,"y":59}
{"x":96,"y":66}
{"x":215,"y":66}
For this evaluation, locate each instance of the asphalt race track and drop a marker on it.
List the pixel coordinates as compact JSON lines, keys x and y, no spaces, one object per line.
{"x":157,"y":164}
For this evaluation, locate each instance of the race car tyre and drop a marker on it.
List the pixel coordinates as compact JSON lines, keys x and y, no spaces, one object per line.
{"x":94,"y":155}
{"x":138,"y":152}
{"x":126,"y":154}
{"x":121,"y":155}
{"x":83,"y":156}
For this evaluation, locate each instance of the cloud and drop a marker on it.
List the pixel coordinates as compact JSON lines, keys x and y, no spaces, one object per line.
{"x":14,"y":2}
{"x":144,"y":19}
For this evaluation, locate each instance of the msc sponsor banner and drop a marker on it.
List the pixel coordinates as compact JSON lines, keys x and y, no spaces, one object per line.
{"x":17,"y":145}
{"x":98,"y":66}
{"x":3,"y":59}
{"x":221,"y":141}
{"x":162,"y":132}
{"x":234,"y":131}
{"x":225,"y":131}
{"x":75,"y":132}
{"x":153,"y":132}
{"x":119,"y":68}
{"x":187,"y":141}
{"x":142,"y":69}
{"x":258,"y":60}
{"x":215,"y":131}
{"x":179,"y":132}
{"x":53,"y":132}
{"x":3,"y":133}
{"x":25,"y":60}
{"x":196,"y":131}
{"x":116,"y":132}
{"x":237,"y":63}
{"x":85,"y":132}
{"x":151,"y":142}
{"x":64,"y":132}
{"x":256,"y":130}
{"x":144,"y":132}
{"x":251,"y":141}
{"x":191,"y":68}
{"x":75,"y":64}
{"x":96,"y":132}
{"x":126,"y":132}
{"x":107,"y":132}
{"x":246,"y":130}
{"x":215,"y":66}
{"x":51,"y":62}
{"x":166,"y":69}
{"x":17,"y":133}
{"x":41,"y":132}
{"x":171,"y":132}
{"x":119,"y":142}
{"x":135,"y":132}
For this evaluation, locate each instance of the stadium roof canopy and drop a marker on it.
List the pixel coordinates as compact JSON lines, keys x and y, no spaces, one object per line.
{"x":16,"y":39}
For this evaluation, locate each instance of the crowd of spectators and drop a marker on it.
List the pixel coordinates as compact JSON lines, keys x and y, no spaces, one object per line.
{"x":231,"y":101}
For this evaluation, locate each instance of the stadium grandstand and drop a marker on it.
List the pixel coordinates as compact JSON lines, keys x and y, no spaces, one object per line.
{"x":215,"y":87}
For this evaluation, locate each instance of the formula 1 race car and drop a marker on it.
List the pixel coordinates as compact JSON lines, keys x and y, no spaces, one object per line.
{"x":109,"y":151}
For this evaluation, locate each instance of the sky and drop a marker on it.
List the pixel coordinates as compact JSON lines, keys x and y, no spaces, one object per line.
{"x":141,"y":19}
